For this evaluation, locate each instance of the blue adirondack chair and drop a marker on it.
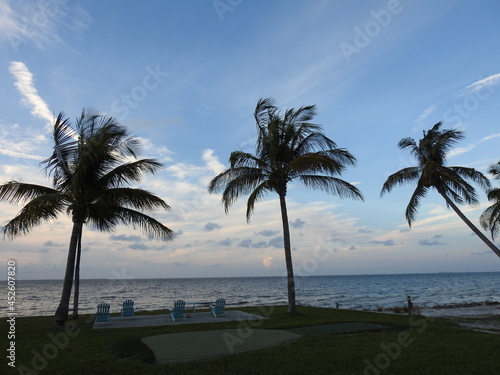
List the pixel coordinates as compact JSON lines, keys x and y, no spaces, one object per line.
{"x":128,"y":308}
{"x":178,"y":311}
{"x":102,"y":314}
{"x":218,"y":308}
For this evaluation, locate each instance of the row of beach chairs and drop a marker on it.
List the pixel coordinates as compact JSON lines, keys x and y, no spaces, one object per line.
{"x":103,"y":311}
{"x":177,"y":312}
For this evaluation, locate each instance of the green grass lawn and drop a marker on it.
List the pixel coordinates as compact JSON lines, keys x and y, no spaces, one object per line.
{"x":413,"y":346}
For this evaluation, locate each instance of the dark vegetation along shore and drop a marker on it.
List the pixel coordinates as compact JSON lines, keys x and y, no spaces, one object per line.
{"x":410,"y":345}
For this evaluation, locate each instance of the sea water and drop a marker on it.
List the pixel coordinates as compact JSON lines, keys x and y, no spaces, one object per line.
{"x":360,"y":292}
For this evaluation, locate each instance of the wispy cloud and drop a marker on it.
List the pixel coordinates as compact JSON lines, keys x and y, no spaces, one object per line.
{"x":492,"y":80}
{"x":488,"y":137}
{"x":20,"y":154}
{"x":26,"y":87}
{"x":421,"y":118}
{"x":462,"y":150}
{"x":40,"y":23}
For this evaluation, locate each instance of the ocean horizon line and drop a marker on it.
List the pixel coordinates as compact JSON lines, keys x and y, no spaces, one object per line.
{"x":272,"y":276}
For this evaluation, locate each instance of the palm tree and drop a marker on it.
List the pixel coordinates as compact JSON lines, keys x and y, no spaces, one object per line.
{"x":90,"y":168}
{"x":432,"y":172}
{"x":490,"y":218}
{"x":288,"y":148}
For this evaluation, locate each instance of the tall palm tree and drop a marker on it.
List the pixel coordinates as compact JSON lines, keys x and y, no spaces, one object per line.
{"x":288,"y":148}
{"x":90,"y":168}
{"x":432,"y":172}
{"x":490,"y":218}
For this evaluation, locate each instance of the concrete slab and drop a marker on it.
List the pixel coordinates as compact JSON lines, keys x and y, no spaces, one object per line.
{"x":164,"y":319}
{"x":189,"y":346}
{"x":199,"y":345}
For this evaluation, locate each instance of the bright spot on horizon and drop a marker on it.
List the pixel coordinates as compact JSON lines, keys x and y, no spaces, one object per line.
{"x":268,"y":262}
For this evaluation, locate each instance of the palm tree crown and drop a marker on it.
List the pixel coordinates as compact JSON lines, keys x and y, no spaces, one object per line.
{"x":285,"y":151}
{"x":432,"y":172}
{"x":288,"y":148}
{"x":91,"y":167}
{"x":490,"y":218}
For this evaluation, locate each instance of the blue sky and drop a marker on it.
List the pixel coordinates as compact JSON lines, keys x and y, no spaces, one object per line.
{"x":185,"y":77}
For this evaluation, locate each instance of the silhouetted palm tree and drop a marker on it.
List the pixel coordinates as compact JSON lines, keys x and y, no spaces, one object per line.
{"x":90,"y":168}
{"x":288,"y":148}
{"x":490,"y":218}
{"x":432,"y":172}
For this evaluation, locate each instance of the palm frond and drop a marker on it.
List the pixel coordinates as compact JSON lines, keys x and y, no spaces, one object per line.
{"x":300,"y":116}
{"x":403,"y":176}
{"x":456,"y":187}
{"x":138,"y":220}
{"x":331,"y":162}
{"x":314,"y":141}
{"x":138,"y":199}
{"x":128,"y":172}
{"x":241,"y":185}
{"x":43,"y":208}
{"x":263,"y":109}
{"x":495,"y":170}
{"x":490,"y":218}
{"x":239,"y":159}
{"x":414,"y":203}
{"x":473,"y":175}
{"x":256,"y":195}
{"x":62,"y":162}
{"x":16,"y":192}
{"x":332,"y":185}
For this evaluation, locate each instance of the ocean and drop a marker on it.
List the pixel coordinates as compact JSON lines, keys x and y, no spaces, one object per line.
{"x":434,"y":293}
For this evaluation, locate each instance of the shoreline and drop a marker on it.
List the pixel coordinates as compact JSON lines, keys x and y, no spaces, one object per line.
{"x":467,"y":310}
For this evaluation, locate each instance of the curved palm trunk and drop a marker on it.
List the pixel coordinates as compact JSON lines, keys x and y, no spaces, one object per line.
{"x":76,"y":295}
{"x":288,"y":255}
{"x":480,"y":234}
{"x":62,"y":311}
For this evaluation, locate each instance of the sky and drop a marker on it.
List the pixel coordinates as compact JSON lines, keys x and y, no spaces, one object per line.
{"x":185,"y":76}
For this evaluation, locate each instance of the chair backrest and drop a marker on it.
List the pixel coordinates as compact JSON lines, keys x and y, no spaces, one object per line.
{"x":128,"y":308}
{"x":102,"y":314}
{"x":179,"y":304}
{"x":103,"y":308}
{"x":178,"y":310}
{"x":221,"y":302}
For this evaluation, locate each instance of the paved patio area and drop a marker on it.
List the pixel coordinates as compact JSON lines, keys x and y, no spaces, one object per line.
{"x":164,"y":319}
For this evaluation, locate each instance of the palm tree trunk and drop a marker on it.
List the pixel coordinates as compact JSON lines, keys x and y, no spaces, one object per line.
{"x":62,"y":311}
{"x":76,"y":295}
{"x":288,"y":255}
{"x":480,"y":234}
